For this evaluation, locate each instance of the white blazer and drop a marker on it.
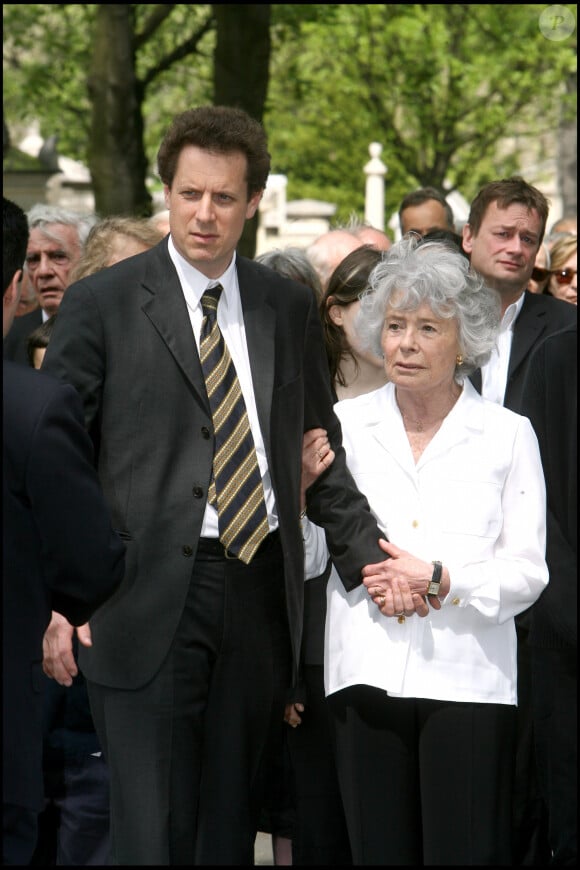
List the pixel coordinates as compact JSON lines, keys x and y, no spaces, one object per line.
{"x":476,"y":501}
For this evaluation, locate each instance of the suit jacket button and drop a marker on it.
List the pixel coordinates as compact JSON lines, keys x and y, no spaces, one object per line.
{"x":187,"y":550}
{"x":205,"y":433}
{"x":198,"y":492}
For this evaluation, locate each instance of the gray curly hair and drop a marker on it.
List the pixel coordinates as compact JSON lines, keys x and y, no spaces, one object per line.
{"x":417,"y":271}
{"x":43,"y":216}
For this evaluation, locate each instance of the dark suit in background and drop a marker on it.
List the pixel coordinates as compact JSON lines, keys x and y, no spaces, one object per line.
{"x":539,"y":317}
{"x":551,"y":402}
{"x":59,"y":553}
{"x":16,"y":342}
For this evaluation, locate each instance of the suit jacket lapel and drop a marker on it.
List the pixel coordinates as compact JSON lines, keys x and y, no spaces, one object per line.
{"x":529,"y":324}
{"x":259,"y":321}
{"x":164,"y":305}
{"x":527,"y":329}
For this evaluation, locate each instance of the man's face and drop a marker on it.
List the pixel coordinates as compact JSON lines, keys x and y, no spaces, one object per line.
{"x":504,"y":250}
{"x":424,"y":218}
{"x":208,"y":207}
{"x":52,"y":252}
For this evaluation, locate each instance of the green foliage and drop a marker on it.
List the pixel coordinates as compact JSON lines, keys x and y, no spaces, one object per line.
{"x":437,"y":85}
{"x":454,"y":93}
{"x":46,"y":53}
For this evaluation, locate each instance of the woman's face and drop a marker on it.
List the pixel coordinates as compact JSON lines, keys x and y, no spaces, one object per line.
{"x":540,"y":263}
{"x":123,"y":246}
{"x":345,"y":316}
{"x":566,"y":287}
{"x":420,"y":349}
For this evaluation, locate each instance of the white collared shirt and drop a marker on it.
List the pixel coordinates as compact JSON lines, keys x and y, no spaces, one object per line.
{"x":476,"y":501}
{"x":231,"y":323}
{"x":494,"y":373}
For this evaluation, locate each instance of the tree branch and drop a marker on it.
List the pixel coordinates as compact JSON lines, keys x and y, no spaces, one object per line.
{"x":184,"y":50}
{"x":158,"y":15}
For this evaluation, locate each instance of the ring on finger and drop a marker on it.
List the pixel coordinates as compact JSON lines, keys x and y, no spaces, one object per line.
{"x":380,"y":600}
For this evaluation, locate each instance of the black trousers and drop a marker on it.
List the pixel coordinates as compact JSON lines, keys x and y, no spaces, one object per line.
{"x":555,"y":708}
{"x":424,"y":782}
{"x":188,"y":752}
{"x":320,"y":834}
{"x":19,"y":829}
{"x":530,"y":846}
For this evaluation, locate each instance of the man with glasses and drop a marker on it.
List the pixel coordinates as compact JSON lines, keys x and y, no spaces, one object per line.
{"x":502,"y":236}
{"x":57,"y":237}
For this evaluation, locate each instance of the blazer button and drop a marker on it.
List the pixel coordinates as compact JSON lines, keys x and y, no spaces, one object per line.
{"x":198,"y":492}
{"x":187,"y":550}
{"x":205,"y":433}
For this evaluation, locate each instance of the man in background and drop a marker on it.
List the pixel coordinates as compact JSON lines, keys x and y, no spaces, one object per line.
{"x":55,"y":244}
{"x":425,"y":210}
{"x":502,"y":236}
{"x":59,"y":550}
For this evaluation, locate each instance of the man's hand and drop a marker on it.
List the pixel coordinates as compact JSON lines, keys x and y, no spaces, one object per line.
{"x":292,"y":714}
{"x":58,"y":658}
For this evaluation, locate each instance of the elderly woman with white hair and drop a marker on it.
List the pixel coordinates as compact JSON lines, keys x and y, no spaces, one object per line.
{"x":424,"y":706}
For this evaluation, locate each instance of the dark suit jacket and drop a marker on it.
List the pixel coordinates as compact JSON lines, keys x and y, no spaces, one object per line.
{"x":15,"y":345}
{"x":123,"y":338}
{"x":59,"y":553}
{"x":551,"y":403}
{"x":540,"y":316}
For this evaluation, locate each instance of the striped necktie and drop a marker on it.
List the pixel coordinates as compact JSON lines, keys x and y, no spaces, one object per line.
{"x":236,"y":487}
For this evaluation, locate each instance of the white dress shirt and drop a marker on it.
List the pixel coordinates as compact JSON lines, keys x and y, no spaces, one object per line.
{"x":231,"y":323}
{"x":476,"y":501}
{"x":495,"y":372}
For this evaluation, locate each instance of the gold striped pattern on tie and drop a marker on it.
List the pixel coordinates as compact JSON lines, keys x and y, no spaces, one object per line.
{"x":236,"y":487}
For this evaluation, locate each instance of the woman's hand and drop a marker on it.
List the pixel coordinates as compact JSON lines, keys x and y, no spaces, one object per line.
{"x":399,"y":585}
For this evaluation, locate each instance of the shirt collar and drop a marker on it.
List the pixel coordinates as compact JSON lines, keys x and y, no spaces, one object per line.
{"x":511,"y":313}
{"x":196,"y":282}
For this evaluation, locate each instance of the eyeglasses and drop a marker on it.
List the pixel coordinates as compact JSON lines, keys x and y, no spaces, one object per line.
{"x":539,"y":274}
{"x":563,"y":276}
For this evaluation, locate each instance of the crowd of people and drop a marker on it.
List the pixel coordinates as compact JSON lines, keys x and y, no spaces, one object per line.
{"x":329,"y":590}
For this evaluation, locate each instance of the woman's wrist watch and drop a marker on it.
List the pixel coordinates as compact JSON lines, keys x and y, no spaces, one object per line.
{"x":435,"y":582}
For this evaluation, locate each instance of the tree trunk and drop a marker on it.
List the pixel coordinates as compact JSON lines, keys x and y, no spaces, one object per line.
{"x":568,"y":157}
{"x":116,"y":157}
{"x":241,"y":72}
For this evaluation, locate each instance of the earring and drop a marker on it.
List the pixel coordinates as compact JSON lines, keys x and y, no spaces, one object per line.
{"x":459,"y":359}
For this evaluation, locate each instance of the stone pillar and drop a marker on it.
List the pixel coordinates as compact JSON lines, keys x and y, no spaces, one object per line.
{"x":375,"y":171}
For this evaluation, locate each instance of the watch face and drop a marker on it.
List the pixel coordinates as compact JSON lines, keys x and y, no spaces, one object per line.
{"x":433,"y":588}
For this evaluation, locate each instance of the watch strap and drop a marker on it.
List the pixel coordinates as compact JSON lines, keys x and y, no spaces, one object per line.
{"x":435,"y":582}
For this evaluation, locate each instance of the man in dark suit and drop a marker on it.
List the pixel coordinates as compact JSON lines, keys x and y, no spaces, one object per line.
{"x":55,"y":244}
{"x":192,"y":658}
{"x":504,"y":231}
{"x":551,"y":402}
{"x":59,"y":550}
{"x":505,"y":228}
